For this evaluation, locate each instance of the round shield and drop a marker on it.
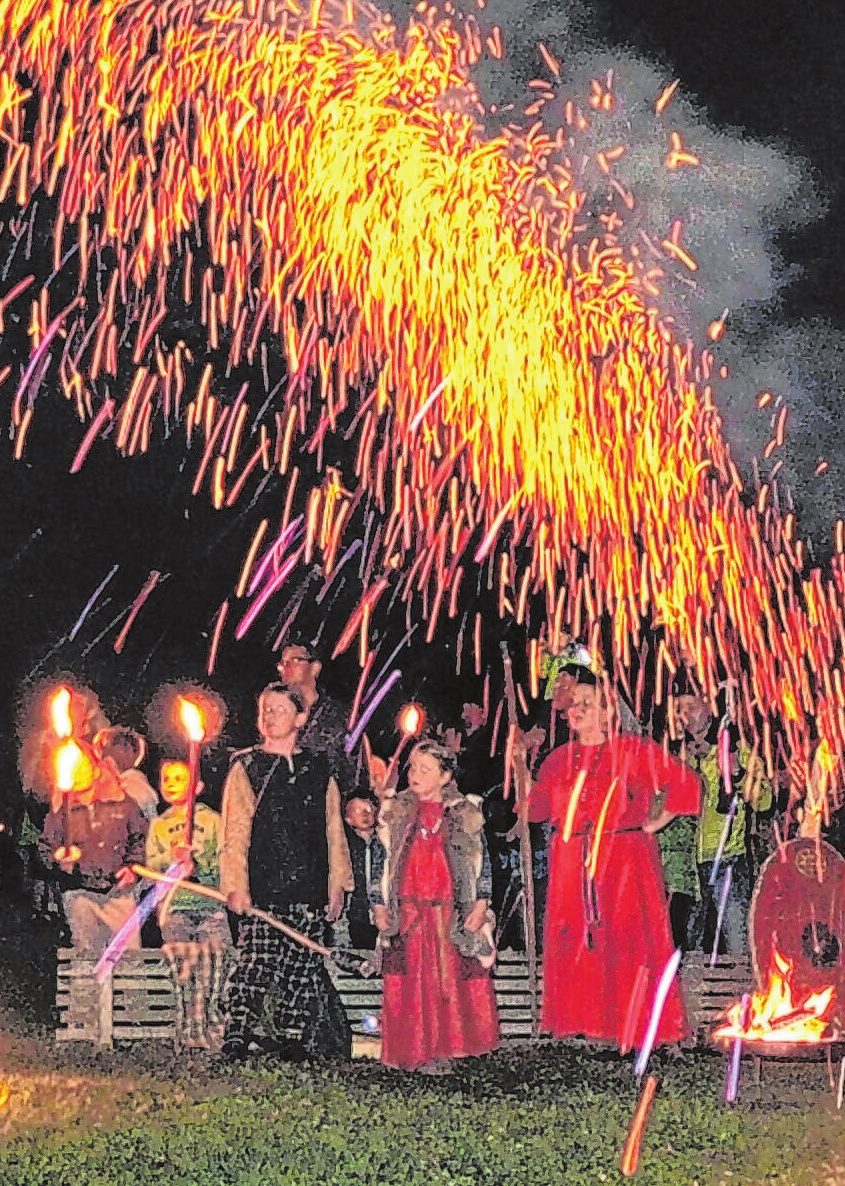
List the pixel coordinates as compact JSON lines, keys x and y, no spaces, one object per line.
{"x":797,"y":909}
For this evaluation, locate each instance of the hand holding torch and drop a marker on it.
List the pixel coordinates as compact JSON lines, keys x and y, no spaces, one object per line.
{"x":193,"y":722}
{"x":410,"y":723}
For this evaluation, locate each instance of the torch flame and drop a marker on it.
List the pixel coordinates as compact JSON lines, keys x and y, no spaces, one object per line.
{"x":411,"y":719}
{"x":74,"y":770}
{"x":192,"y":718}
{"x":60,"y":718}
{"x":776,"y":1015}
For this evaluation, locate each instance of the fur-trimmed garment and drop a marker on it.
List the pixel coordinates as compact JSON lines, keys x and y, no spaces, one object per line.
{"x":430,"y":872}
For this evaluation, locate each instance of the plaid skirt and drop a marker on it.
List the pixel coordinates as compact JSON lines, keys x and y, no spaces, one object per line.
{"x":281,"y":991}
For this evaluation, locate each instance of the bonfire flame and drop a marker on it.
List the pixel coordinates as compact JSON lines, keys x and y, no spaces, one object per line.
{"x":776,"y":1015}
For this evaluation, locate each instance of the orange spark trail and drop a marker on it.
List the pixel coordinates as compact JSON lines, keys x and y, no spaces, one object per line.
{"x":352,"y":210}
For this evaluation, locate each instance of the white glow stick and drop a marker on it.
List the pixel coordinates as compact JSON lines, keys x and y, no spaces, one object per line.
{"x":723,"y":901}
{"x":663,"y":986}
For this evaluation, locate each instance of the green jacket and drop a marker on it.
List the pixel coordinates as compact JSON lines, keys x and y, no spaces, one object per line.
{"x":167,"y":832}
{"x":711,"y":822}
{"x":686,"y":842}
{"x":677,"y":856}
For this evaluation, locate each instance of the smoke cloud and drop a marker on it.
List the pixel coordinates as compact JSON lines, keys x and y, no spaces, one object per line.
{"x":743,"y":201}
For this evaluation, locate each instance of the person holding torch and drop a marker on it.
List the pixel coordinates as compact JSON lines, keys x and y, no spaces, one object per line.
{"x":92,"y":835}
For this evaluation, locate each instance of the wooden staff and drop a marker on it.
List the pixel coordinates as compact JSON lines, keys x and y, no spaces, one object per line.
{"x":521,"y":779}
{"x":344,"y":959}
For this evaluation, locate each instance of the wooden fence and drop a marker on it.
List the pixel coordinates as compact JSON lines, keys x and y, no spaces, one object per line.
{"x":136,"y":1003}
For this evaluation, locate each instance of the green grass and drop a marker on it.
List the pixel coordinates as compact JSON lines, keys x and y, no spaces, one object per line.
{"x":554,"y":1117}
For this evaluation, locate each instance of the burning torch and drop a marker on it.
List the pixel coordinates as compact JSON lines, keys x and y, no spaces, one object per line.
{"x":73,"y":769}
{"x":409,"y":723}
{"x":193,"y":722}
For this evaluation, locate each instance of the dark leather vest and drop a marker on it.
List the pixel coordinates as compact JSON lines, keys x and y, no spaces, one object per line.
{"x":288,"y":851}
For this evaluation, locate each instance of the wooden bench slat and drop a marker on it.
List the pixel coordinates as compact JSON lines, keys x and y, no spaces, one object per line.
{"x":141,"y":1005}
{"x":151,"y":1032}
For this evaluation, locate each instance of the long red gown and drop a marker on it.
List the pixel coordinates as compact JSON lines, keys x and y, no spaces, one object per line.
{"x":601,"y":930}
{"x":436,"y":1004}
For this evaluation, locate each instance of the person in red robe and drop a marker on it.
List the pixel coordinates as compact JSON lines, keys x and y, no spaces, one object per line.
{"x":607,"y":935}
{"x":430,"y":890}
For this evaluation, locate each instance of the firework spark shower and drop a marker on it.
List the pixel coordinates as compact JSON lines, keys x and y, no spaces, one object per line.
{"x":317,"y":185}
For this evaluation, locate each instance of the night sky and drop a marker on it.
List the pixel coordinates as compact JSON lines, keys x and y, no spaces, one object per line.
{"x":770,"y":72}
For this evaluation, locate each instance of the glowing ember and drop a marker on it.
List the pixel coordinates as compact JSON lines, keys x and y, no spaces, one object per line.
{"x":193,"y":720}
{"x":777,"y":1016}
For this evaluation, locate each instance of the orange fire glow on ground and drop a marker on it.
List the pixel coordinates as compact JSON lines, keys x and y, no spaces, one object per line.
{"x":516,"y":379}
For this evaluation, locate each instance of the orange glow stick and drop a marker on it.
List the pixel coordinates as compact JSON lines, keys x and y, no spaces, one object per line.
{"x":215,"y":638}
{"x":593,"y":858}
{"x":630,"y":1159}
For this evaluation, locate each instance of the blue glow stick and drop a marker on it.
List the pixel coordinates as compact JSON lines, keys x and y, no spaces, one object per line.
{"x":117,"y":944}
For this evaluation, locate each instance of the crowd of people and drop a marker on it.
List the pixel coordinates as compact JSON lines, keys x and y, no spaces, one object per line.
{"x":636,"y":845}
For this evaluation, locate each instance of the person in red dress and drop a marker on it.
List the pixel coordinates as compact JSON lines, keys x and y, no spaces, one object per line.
{"x":606,"y":916}
{"x":430,"y":891}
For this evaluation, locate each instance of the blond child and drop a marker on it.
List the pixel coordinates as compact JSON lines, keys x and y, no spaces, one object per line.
{"x":195,"y":929}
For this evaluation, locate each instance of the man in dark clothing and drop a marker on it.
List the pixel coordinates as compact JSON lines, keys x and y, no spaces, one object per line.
{"x":284,"y":850}
{"x":327,"y":725}
{"x":360,"y":820}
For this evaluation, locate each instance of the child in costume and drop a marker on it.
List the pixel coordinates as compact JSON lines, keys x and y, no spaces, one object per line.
{"x":195,"y":929}
{"x":430,"y":903}
{"x":91,"y":842}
